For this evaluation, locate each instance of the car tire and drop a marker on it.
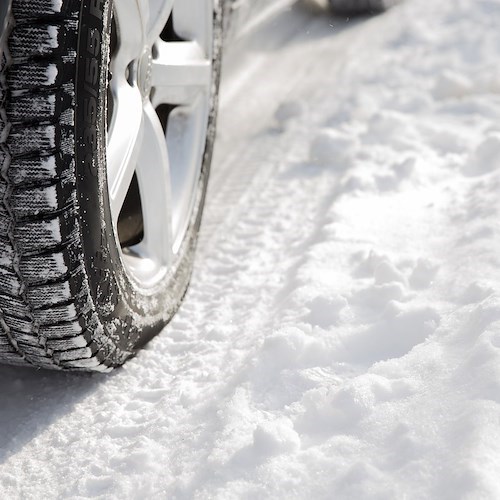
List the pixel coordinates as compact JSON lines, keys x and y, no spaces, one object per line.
{"x":358,"y":7}
{"x":86,"y":280}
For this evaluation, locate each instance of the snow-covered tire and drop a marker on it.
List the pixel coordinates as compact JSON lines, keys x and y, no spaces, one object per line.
{"x":356,"y":7}
{"x":68,"y":298}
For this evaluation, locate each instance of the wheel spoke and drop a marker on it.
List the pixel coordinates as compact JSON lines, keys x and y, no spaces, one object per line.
{"x":160,"y":12}
{"x":144,"y":7}
{"x":131,"y":18}
{"x":153,"y":174}
{"x":125,"y":138}
{"x":180,"y":72}
{"x":195,"y":28}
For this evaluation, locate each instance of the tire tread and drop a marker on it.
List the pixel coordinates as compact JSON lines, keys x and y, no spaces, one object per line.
{"x":46,"y":313}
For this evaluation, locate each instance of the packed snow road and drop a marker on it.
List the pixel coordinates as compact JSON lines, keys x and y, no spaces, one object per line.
{"x":341,"y":337}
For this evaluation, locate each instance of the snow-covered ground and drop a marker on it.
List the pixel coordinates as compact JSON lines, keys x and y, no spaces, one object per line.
{"x":341,"y":338}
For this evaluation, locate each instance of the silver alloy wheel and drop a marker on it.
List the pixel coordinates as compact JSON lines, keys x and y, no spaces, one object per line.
{"x":151,"y":71}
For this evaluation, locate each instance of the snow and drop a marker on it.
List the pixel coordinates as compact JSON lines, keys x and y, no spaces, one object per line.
{"x":341,"y":337}
{"x":51,"y":74}
{"x":57,"y":5}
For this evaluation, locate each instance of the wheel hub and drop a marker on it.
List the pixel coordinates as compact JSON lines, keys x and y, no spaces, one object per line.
{"x":144,"y":73}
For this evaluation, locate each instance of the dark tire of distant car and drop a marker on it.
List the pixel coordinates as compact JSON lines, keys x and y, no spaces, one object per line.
{"x":96,"y":241}
{"x":358,"y":7}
